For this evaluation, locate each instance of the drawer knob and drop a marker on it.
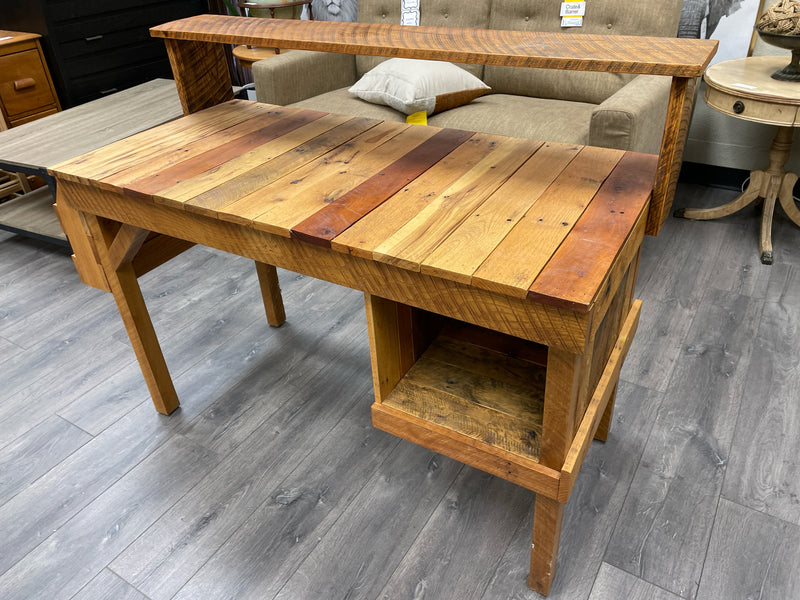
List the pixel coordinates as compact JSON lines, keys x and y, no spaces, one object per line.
{"x":27,"y":82}
{"x":738,"y":107}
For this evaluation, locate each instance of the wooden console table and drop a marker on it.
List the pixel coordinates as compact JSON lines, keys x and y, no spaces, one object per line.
{"x":498,"y":273}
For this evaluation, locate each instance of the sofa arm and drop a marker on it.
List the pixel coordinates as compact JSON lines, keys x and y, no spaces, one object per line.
{"x":632,"y":118}
{"x":299,"y":74}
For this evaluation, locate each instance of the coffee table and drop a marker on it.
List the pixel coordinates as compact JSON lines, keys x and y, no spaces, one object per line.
{"x":34,"y":147}
{"x":743,"y":88}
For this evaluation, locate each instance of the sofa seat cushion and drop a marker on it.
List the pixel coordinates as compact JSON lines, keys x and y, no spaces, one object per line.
{"x":515,"y":116}
{"x":521,"y":116}
{"x":342,"y":102}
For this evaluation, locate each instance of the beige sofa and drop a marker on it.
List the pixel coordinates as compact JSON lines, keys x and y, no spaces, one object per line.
{"x":600,"y":109}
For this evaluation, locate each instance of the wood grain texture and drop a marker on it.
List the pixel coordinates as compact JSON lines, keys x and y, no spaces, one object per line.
{"x":452,"y":558}
{"x":679,"y":113}
{"x":467,"y":389}
{"x":502,"y":313}
{"x":34,"y":453}
{"x":658,"y":56}
{"x":518,"y":259}
{"x":201,"y":74}
{"x":613,"y":583}
{"x":124,"y":286}
{"x":684,"y":461}
{"x":547,"y":518}
{"x":751,"y":555}
{"x":368,"y":233}
{"x":410,"y":244}
{"x":765,"y":445}
{"x":171,"y":471}
{"x":321,"y":227}
{"x":579,"y":266}
{"x":271,"y":294}
{"x":108,"y":586}
{"x":460,"y":255}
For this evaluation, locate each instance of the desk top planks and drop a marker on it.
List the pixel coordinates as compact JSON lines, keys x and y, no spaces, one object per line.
{"x":527,"y":219}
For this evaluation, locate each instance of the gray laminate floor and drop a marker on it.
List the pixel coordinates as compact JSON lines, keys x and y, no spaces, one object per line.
{"x":270,"y":482}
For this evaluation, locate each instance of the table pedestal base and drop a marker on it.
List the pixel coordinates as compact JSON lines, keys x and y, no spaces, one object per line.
{"x":771,"y":185}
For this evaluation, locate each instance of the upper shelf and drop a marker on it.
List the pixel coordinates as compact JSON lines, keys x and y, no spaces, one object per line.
{"x":583,"y":52}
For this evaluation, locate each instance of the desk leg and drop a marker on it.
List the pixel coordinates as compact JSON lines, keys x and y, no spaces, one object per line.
{"x":116,"y":250}
{"x":271,"y":293}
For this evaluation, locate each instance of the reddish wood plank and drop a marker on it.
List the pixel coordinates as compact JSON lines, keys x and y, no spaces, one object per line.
{"x":163,"y":178}
{"x":573,"y":277}
{"x":321,"y":227}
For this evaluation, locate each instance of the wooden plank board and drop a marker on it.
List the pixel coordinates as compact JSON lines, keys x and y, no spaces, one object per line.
{"x":587,"y":52}
{"x":177,"y":160}
{"x":211,"y":189}
{"x":516,"y":262}
{"x":109,"y":159}
{"x":457,"y":387}
{"x":575,"y":273}
{"x":282,"y":207}
{"x":321,"y":227}
{"x":361,"y":238}
{"x":460,"y":255}
{"x":413,"y":242}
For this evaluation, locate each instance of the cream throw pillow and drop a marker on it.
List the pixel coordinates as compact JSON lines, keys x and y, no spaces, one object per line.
{"x":410,"y":85}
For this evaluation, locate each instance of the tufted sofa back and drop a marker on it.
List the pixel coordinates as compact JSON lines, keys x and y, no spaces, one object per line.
{"x":607,"y":17}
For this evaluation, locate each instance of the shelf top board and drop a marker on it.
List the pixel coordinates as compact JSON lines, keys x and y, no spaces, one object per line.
{"x":582,"y":52}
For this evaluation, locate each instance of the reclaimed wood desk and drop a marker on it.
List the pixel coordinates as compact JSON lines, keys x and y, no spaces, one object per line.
{"x":498,"y":273}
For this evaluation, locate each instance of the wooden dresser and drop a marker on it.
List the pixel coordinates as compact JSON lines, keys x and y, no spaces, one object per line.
{"x":26,"y":89}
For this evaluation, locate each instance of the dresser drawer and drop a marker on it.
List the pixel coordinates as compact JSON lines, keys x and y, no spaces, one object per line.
{"x":24,"y":86}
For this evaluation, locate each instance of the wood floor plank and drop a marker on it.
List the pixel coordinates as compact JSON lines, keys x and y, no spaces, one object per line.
{"x":657,"y":538}
{"x":263,"y":509}
{"x":613,"y":583}
{"x":107,"y":586}
{"x":8,"y":349}
{"x":338,"y":567}
{"x":65,"y":561}
{"x":751,"y":555}
{"x":52,"y":500}
{"x":762,"y":472}
{"x":593,"y":509}
{"x":457,"y":551}
{"x":35,"y":452}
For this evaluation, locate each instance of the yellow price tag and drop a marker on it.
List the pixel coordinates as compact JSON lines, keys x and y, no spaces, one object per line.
{"x":418,"y":118}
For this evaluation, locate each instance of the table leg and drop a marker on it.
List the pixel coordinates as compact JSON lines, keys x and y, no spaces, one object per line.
{"x":786,"y":196}
{"x":752,"y":193}
{"x":271,"y":293}
{"x":547,"y":517}
{"x":116,"y":250}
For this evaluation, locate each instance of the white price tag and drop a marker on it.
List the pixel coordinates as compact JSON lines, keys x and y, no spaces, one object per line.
{"x":409,"y":14}
{"x":572,"y":21}
{"x":573,"y":9}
